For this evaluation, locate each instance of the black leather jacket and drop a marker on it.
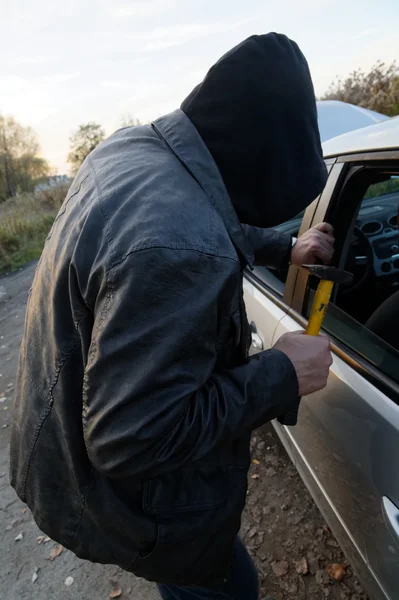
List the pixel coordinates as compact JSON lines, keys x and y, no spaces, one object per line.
{"x":135,"y":399}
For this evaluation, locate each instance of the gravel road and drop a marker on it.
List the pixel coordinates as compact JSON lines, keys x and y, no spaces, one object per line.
{"x":282,"y":527}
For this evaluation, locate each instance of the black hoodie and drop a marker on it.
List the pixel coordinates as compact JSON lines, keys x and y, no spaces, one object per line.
{"x":256,"y":112}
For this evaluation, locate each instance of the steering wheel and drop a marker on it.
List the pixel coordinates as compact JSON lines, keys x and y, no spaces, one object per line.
{"x":360,"y":261}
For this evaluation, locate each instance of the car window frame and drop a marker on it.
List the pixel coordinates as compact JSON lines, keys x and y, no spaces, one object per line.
{"x":282,"y":293}
{"x":338,"y":179}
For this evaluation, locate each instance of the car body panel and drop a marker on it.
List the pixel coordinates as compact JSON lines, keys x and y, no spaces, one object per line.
{"x":382,"y":136}
{"x":348,"y":433}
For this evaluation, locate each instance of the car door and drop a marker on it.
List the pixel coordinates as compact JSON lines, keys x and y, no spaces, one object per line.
{"x":346,"y":442}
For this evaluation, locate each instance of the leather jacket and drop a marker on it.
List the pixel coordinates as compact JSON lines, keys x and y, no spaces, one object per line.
{"x":135,"y":396}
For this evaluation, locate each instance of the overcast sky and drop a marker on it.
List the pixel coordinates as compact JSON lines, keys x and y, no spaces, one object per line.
{"x":66,"y":63}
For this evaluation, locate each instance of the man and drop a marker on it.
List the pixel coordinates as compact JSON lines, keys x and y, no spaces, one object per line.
{"x":135,"y":396}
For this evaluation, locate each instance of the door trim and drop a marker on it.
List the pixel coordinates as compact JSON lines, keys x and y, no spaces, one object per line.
{"x":301,"y":276}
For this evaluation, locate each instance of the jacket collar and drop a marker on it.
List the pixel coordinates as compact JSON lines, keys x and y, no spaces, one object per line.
{"x":186,"y":143}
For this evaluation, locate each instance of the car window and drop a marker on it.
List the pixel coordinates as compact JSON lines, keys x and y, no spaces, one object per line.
{"x":364,"y":317}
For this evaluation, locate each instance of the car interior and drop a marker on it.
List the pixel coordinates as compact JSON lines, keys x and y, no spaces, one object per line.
{"x":369,"y":248}
{"x":365,"y":217}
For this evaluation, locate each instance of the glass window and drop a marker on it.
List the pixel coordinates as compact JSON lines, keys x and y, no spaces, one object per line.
{"x":365,"y":315}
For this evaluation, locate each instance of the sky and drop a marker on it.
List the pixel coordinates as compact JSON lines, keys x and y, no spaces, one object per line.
{"x":70,"y":62}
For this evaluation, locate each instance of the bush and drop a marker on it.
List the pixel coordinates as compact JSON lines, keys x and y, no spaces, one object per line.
{"x":24,"y":224}
{"x":377,"y":90}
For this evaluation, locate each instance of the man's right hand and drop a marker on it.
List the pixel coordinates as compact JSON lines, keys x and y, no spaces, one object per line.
{"x":311,"y":357}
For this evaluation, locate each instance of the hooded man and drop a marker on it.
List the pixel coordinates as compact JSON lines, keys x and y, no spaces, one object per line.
{"x":135,"y":397}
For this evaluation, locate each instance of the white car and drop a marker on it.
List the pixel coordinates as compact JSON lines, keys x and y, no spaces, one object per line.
{"x":346,"y":442}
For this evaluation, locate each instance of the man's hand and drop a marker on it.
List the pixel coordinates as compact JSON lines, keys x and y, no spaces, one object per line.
{"x":311,"y":357}
{"x":316,"y":244}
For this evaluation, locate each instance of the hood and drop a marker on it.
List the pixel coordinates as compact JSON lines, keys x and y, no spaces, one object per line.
{"x":256,"y":112}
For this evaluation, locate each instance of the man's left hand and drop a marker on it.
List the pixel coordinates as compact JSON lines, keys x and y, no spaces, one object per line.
{"x":317,"y":244}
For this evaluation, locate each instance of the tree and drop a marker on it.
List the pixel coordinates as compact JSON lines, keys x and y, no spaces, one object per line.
{"x":20,"y":164}
{"x":377,"y":90}
{"x":83,"y":141}
{"x":129,"y":121}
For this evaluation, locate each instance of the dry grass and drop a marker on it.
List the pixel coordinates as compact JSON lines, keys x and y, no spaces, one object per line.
{"x":24,"y":224}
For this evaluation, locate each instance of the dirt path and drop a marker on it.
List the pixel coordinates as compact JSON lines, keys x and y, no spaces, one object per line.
{"x":281,"y":524}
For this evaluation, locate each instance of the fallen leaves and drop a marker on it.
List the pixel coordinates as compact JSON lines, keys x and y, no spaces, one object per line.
{"x":23,"y":510}
{"x":301,"y":566}
{"x":43,"y":539}
{"x":256,"y":476}
{"x":55,"y":552}
{"x":35,"y":574}
{"x":69,"y":581}
{"x":280,"y":567}
{"x":255,"y":462}
{"x":116,"y":593}
{"x":19,"y":537}
{"x":336,"y":571}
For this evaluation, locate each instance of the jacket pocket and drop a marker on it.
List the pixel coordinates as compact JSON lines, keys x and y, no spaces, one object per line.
{"x":194,"y":539}
{"x":188,"y":490}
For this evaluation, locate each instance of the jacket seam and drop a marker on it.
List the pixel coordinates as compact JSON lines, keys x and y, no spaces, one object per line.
{"x":93,"y":346}
{"x":43,"y":416}
{"x":104,"y":214}
{"x":49,"y":399}
{"x":171,"y":247}
{"x":88,"y":486}
{"x":63,"y":211}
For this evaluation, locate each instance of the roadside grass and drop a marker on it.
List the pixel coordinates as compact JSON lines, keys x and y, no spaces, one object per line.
{"x":24,"y":224}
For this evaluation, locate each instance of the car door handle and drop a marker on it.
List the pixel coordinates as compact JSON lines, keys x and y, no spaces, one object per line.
{"x":391,"y":516}
{"x":256,"y":340}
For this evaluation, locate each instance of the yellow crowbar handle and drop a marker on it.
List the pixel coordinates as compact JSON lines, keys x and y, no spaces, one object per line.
{"x":320,"y":303}
{"x":328,"y":276}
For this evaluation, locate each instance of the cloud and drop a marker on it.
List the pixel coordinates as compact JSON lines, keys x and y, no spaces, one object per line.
{"x":31,"y":60}
{"x":143,"y":8}
{"x":112,"y":83}
{"x":366,"y":32}
{"x":59,"y":77}
{"x":14,"y":83}
{"x":176,"y":35}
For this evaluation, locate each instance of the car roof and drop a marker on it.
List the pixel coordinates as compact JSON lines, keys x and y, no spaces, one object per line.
{"x":336,"y":118}
{"x":382,"y":136}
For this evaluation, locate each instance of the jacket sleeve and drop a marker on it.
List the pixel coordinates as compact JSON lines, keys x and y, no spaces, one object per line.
{"x":152,"y":397}
{"x":271,"y":248}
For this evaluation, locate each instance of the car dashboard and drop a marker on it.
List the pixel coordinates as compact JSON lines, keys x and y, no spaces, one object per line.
{"x":378,"y":221}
